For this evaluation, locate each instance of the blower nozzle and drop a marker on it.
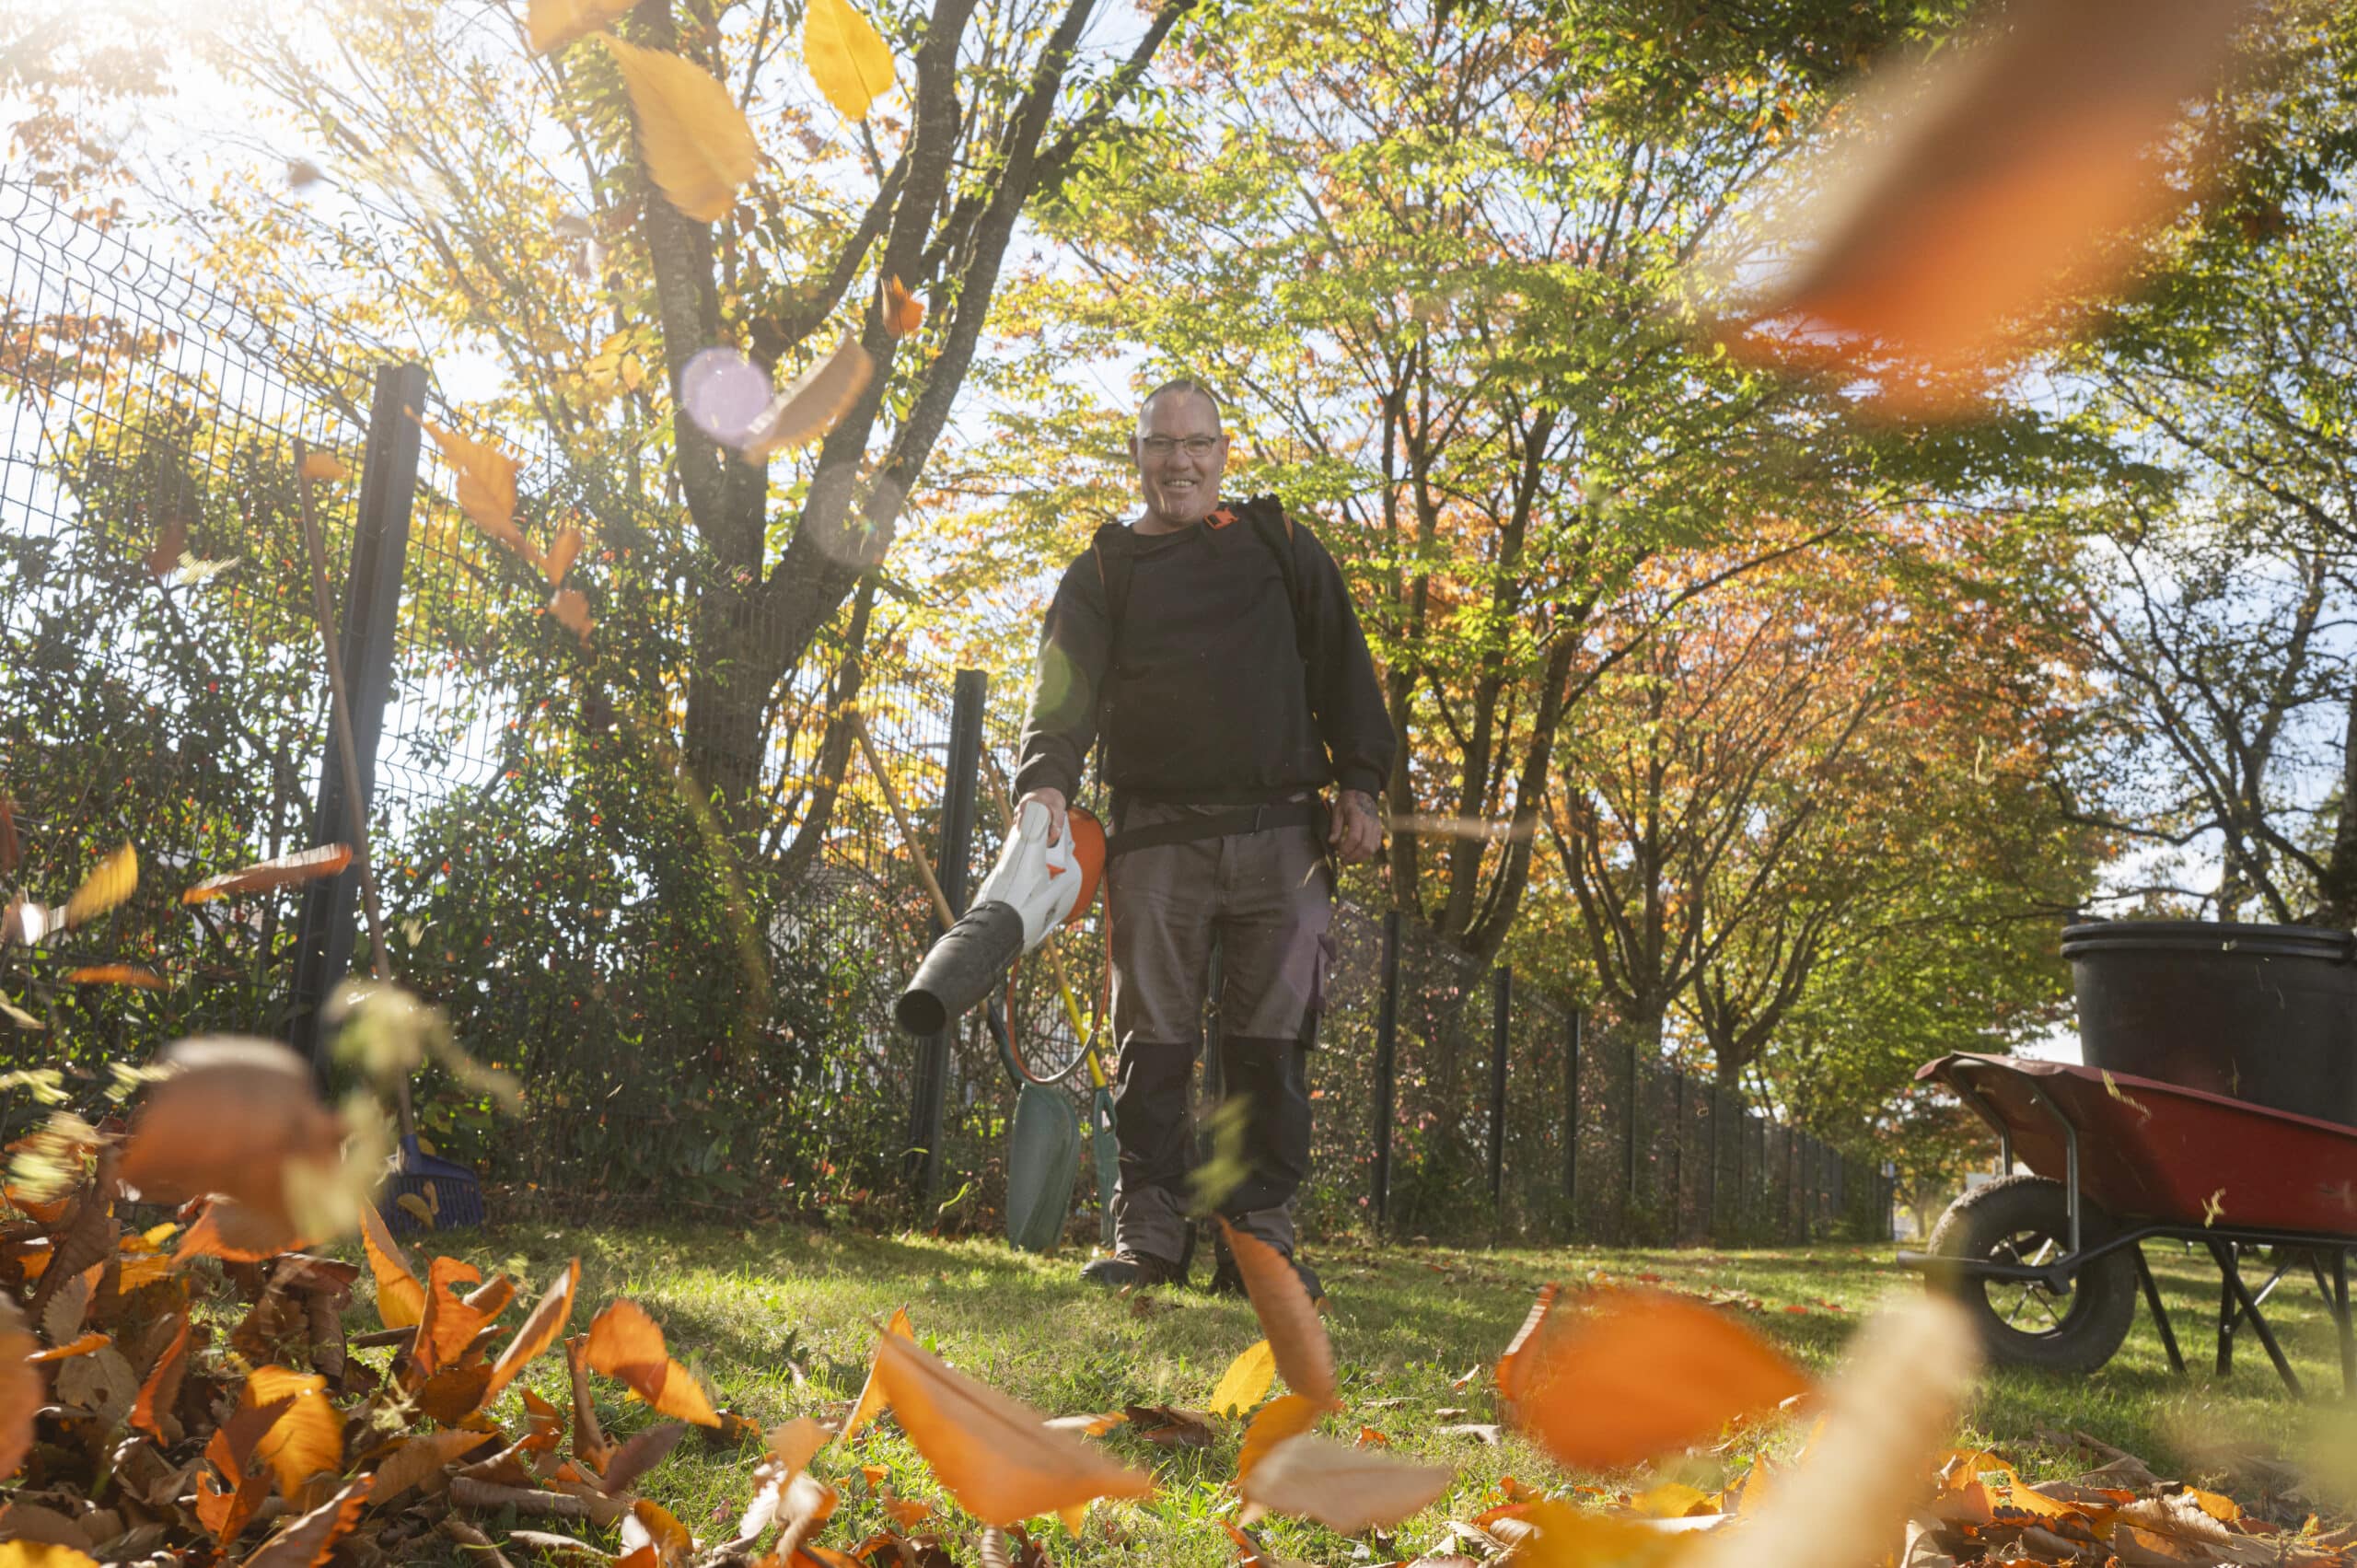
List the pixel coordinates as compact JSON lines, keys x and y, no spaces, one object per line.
{"x":970,"y":958}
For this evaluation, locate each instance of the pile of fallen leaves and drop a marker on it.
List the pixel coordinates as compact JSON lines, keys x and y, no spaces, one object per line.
{"x":179,"y":1385}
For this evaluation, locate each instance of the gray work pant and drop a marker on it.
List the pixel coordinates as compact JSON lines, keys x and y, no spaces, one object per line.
{"x":1266,"y":900}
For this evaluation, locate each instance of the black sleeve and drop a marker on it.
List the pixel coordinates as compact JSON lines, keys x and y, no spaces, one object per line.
{"x":1061,"y":723}
{"x":1344,"y":695}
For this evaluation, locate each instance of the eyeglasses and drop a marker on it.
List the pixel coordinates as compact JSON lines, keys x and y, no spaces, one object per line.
{"x":1194,"y":446}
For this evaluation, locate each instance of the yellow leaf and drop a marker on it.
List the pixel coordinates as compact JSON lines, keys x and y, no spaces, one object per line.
{"x":553,"y":24}
{"x":486,"y":485}
{"x":1673,"y":1499}
{"x":849,"y":63}
{"x":871,"y":1393}
{"x":808,"y":409}
{"x":1246,"y":1382}
{"x":401,"y":1300}
{"x":323,"y":465}
{"x":307,"y":1439}
{"x":992,"y":1453}
{"x":108,"y":885}
{"x":698,"y":146}
{"x":41,"y":1555}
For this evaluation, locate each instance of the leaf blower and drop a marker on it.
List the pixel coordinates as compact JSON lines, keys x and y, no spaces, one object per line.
{"x":1035,"y":887}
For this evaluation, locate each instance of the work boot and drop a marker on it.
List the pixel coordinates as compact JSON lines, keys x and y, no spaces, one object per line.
{"x":1126,"y":1268}
{"x":1229,"y":1280}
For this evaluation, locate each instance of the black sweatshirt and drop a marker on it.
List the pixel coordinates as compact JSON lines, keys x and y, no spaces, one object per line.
{"x":1207,"y":701}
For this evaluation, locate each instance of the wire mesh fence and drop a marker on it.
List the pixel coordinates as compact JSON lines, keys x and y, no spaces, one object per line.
{"x":163,"y":684}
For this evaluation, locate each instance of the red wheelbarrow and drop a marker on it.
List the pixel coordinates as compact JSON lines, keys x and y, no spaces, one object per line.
{"x":2050,"y":1263}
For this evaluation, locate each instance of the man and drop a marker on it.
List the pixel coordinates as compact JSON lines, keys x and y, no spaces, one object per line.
{"x":1216,"y":651}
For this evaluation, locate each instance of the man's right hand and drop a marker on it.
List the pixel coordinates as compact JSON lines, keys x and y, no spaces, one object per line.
{"x":1053,"y":799}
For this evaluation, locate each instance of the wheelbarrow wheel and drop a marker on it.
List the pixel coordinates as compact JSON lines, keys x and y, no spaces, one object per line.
{"x":2026,"y":1219}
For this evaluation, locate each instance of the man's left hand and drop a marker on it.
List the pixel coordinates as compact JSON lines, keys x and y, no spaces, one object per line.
{"x":1356,"y":832}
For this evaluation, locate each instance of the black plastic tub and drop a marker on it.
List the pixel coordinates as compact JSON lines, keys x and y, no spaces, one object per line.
{"x":2261,"y":1012}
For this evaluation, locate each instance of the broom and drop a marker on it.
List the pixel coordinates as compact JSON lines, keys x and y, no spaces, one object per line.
{"x":451,"y":1194}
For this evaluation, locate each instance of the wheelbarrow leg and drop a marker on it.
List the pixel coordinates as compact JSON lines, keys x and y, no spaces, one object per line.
{"x":2228,"y":1255}
{"x":2222,"y":1253}
{"x":2340,"y":1320}
{"x":2161,"y":1313}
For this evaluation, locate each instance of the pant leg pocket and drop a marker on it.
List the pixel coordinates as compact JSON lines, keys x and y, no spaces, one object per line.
{"x":1321,"y":969}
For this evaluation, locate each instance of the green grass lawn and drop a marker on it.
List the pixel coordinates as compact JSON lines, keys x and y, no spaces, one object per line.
{"x":747,"y":1306}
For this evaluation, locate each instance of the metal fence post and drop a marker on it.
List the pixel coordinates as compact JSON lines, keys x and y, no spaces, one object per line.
{"x":1678,"y":1159}
{"x":1500,"y":1019}
{"x":1571,"y":1113}
{"x":372,"y":591}
{"x":1387,"y":1039}
{"x":1636,"y":1093}
{"x":931,"y":1098}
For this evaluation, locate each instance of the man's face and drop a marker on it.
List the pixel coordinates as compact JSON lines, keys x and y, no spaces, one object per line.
{"x":1180,"y":453}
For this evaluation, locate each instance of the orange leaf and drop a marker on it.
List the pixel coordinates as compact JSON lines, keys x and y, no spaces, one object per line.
{"x":651,"y":1524}
{"x":809,"y":407}
{"x":625,"y":1343}
{"x":572,"y":612}
{"x":132,"y":975}
{"x":419,"y":1459}
{"x":992,"y":1453}
{"x":1993,"y":183}
{"x":304,"y":1441}
{"x":401,"y":1300}
{"x":236,"y":1234}
{"x":449,"y":1324}
{"x":21,"y":1390}
{"x":540,"y":1330}
{"x":903,"y":311}
{"x":157,"y":1395}
{"x":82,"y":1346}
{"x":171,"y":541}
{"x":1515,"y":1364}
{"x":563,"y":551}
{"x":233,"y":1115}
{"x":1642,"y":1373}
{"x":698,"y":146}
{"x":308,"y":1541}
{"x":1350,"y":1490}
{"x":1286,"y":1416}
{"x":1295,"y":1332}
{"x":325,"y":860}
{"x":486,"y":485}
{"x":870,"y":1403}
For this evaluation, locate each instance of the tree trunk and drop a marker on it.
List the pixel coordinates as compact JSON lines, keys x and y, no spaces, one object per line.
{"x":2337,"y":888}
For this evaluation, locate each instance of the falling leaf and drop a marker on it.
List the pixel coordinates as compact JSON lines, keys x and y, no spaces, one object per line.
{"x":1350,"y":1490}
{"x":400,"y":1300}
{"x":1990,"y":184}
{"x":7,"y":833}
{"x":2212,"y":1207}
{"x":308,"y":1541}
{"x":112,"y":882}
{"x":486,"y":485}
{"x":1515,"y":1364}
{"x":1559,"y":1535}
{"x":27,"y":922}
{"x":304,"y":865}
{"x":234,"y":1117}
{"x":20,"y":1387}
{"x":1641,"y":1373}
{"x":849,"y":61}
{"x":553,"y":24}
{"x":903,"y":311}
{"x":1888,"y":1412}
{"x":572,"y":611}
{"x":651,"y":1524}
{"x":448,"y":1325}
{"x":1296,"y":1334}
{"x":540,"y":1330}
{"x":42,"y":1554}
{"x":302,"y":173}
{"x":132,"y":975}
{"x":809,"y":407}
{"x":642,"y":1453}
{"x":992,"y":1454}
{"x":236,"y":1233}
{"x":192,"y":572}
{"x":625,"y":1343}
{"x":698,"y":146}
{"x":559,"y":560}
{"x":307,"y":1439}
{"x":323,"y":465}
{"x":870,"y":1403}
{"x":1246,"y":1382}
{"x":1285,"y":1417}
{"x":1673,"y":1499}
{"x":169,"y":549}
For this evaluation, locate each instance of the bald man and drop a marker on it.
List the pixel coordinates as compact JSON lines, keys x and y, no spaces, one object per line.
{"x":1213,"y":650}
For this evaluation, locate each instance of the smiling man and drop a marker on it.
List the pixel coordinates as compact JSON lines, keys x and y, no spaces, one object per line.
{"x":1213,"y":650}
